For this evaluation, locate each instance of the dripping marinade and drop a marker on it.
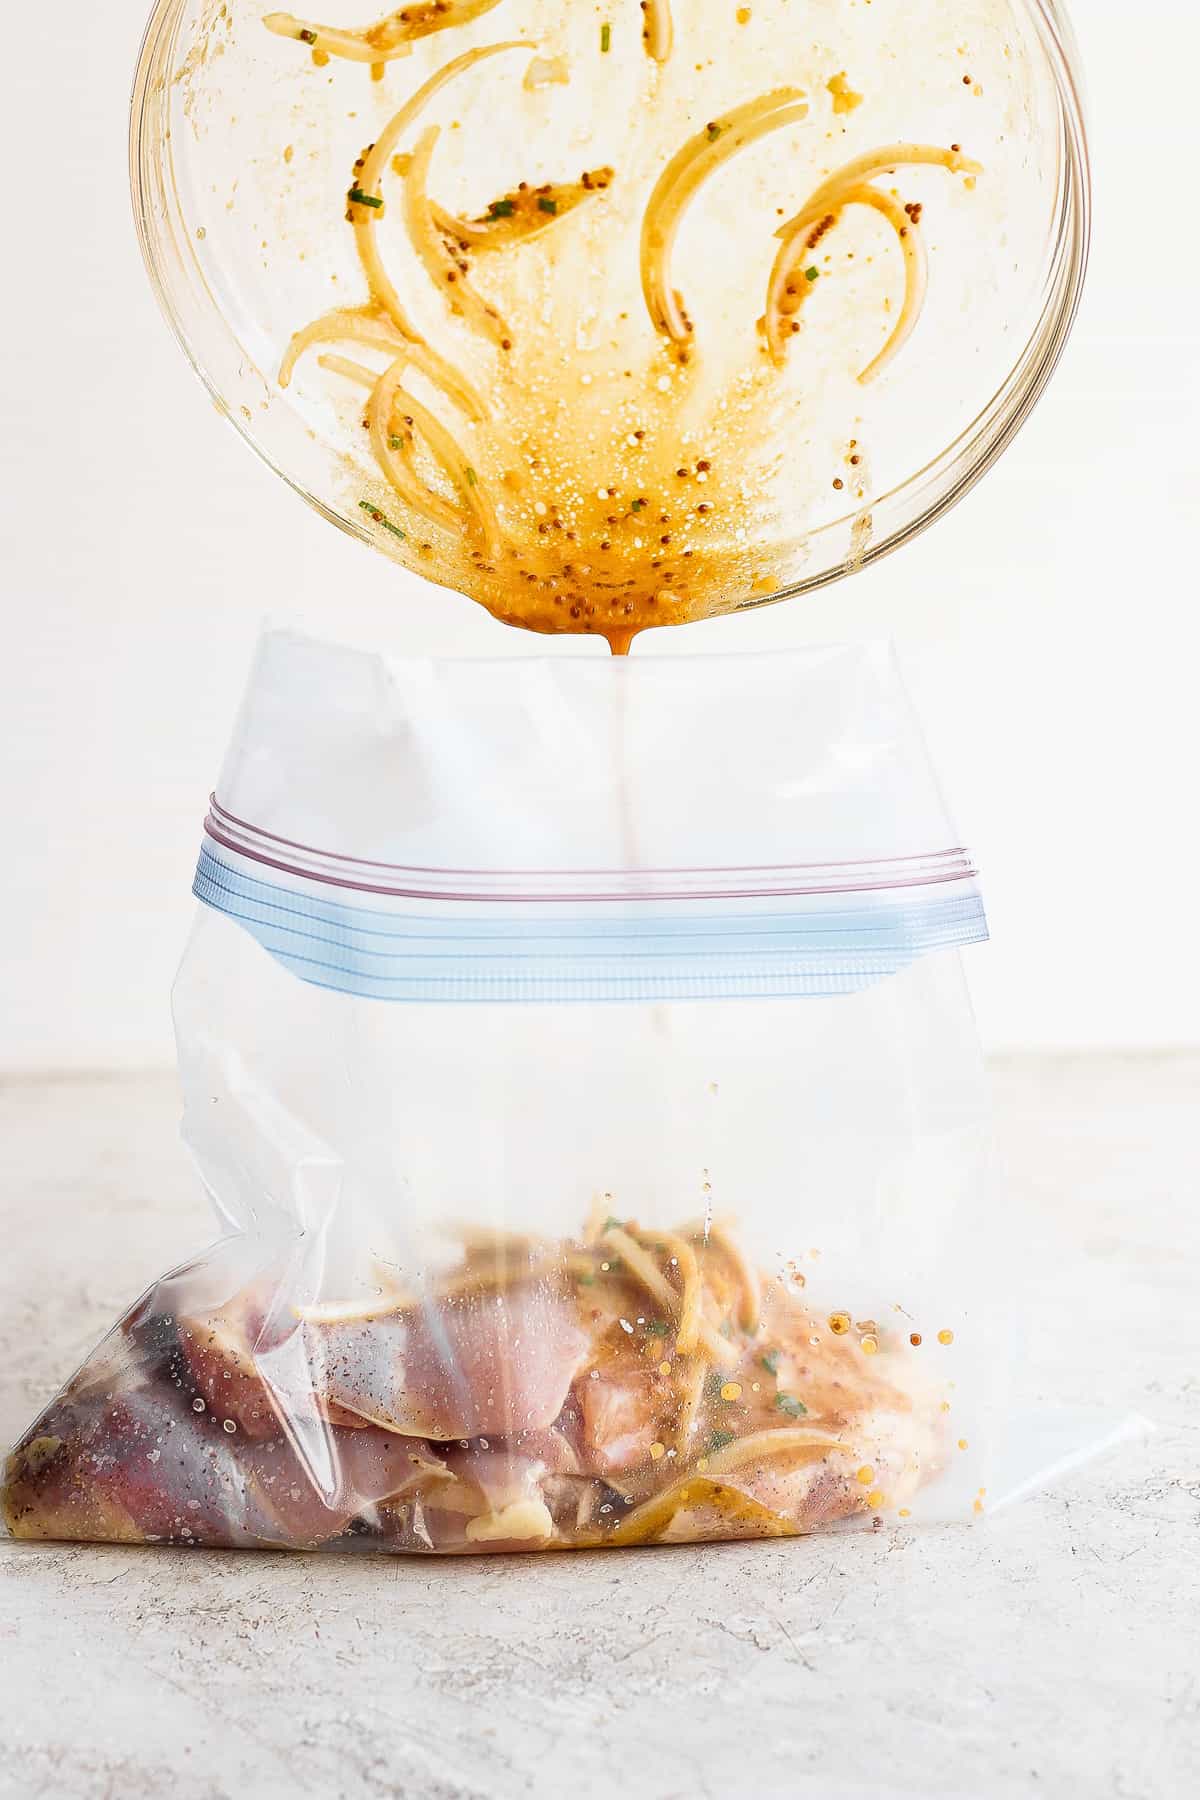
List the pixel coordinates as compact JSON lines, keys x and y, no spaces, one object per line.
{"x":550,"y":547}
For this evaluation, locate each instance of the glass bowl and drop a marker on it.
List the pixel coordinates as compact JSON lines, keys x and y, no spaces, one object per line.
{"x":242,"y":143}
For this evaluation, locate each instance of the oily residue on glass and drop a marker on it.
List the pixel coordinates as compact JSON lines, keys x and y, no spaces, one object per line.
{"x":582,"y":411}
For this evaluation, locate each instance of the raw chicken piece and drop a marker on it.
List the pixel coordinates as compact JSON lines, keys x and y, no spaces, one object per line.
{"x":218,"y":1348}
{"x":477,"y":1363}
{"x":131,"y":1453}
{"x":312,"y":1500}
{"x":134,"y":1467}
{"x":623,"y":1413}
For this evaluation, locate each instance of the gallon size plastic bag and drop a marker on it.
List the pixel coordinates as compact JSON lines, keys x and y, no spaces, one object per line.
{"x":578,"y":1058}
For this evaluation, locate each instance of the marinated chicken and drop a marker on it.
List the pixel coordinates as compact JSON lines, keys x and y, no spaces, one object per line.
{"x":630,"y":1387}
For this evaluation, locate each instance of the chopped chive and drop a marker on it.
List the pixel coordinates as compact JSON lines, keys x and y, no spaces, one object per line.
{"x":358,"y":198}
{"x":811,"y":274}
{"x":605,"y":39}
{"x":586,"y":1280}
{"x":472,"y":477}
{"x":770,"y":1362}
{"x":713,"y":133}
{"x":657,"y":1327}
{"x":545,"y":205}
{"x":636,"y":505}
{"x":714,"y":1381}
{"x":719,"y":1439}
{"x":395,"y":443}
{"x":610,"y":1224}
{"x":500,"y":209}
{"x":788,"y":1403}
{"x":374,"y":513}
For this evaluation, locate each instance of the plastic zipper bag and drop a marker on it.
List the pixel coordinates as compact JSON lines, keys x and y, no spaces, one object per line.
{"x":578,"y":1058}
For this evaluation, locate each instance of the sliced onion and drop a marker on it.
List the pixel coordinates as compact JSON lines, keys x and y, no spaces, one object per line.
{"x":683,"y":1303}
{"x":883,"y":161}
{"x":718,"y":1233}
{"x":441,"y":265}
{"x":359,"y":325}
{"x":392,"y":36}
{"x":782,"y":1440}
{"x":527,"y":219}
{"x":388,"y":398}
{"x":693,"y":1393}
{"x":362,"y":325}
{"x":789,"y":285}
{"x":687,"y":170}
{"x":847,"y":186}
{"x":916,"y":274}
{"x":658,"y":34}
{"x":649,"y":1521}
{"x":326,"y":40}
{"x":397,"y":465}
{"x":691,"y":1319}
{"x":369,"y":178}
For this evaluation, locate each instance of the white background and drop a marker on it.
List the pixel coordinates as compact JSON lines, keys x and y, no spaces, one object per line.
{"x":1049,"y":626}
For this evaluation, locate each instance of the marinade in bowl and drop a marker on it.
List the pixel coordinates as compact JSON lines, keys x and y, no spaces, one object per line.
{"x":617,"y":320}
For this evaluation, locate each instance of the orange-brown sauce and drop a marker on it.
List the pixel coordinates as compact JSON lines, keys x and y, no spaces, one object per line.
{"x":609,"y":474}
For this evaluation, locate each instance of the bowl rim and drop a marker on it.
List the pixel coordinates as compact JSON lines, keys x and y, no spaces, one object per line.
{"x":947,"y":477}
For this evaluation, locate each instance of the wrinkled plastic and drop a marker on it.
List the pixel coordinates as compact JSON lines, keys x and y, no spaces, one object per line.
{"x":578,"y":1059}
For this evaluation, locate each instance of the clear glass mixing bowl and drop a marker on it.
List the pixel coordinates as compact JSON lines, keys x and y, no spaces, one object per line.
{"x":241,"y":149}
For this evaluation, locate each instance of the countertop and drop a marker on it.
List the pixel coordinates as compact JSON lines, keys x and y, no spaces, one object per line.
{"x":1053,"y":1650}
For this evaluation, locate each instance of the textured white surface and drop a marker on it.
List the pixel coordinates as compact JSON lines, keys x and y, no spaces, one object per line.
{"x":1052,"y":1651}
